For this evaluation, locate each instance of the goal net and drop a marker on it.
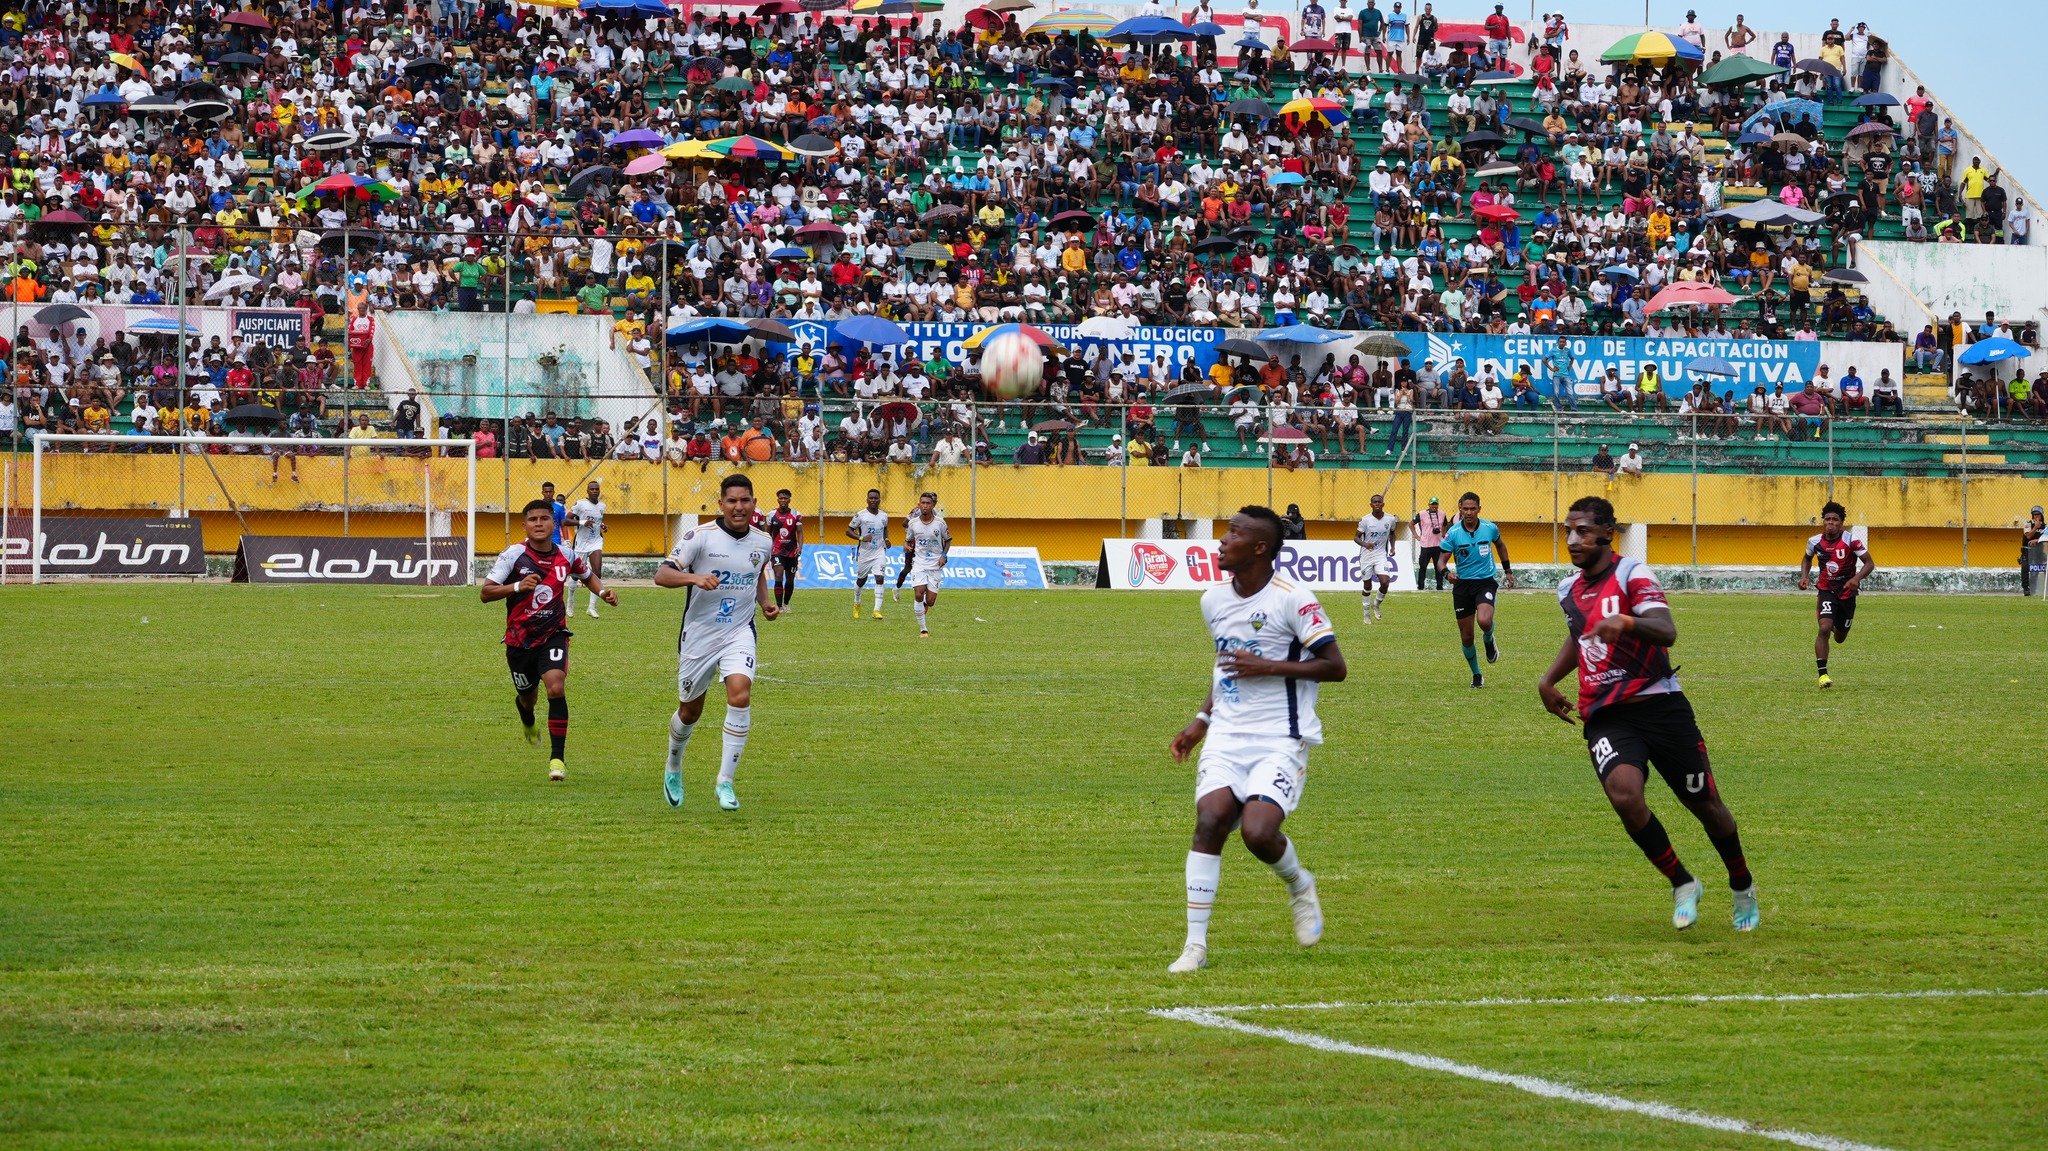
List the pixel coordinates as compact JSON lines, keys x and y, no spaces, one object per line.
{"x":260,"y":508}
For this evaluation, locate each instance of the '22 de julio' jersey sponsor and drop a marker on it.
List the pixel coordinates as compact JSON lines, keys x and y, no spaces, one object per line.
{"x":1280,"y":621}
{"x":711,"y":617}
{"x":872,"y":528}
{"x":1839,"y":558}
{"x":531,"y":617}
{"x":927,"y":541}
{"x":1627,"y":668}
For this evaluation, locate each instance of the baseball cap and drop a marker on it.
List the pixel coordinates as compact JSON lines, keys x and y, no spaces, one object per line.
{"x":1434,"y":501}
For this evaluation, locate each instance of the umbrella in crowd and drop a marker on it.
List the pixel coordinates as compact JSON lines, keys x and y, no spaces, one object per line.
{"x":1384,"y":345}
{"x":1284,"y":434}
{"x":157,"y":325}
{"x":928,"y":251}
{"x":582,"y":182}
{"x":1245,"y":348}
{"x":1082,"y":220}
{"x":872,"y":330}
{"x":1208,"y":28}
{"x":1992,"y":351}
{"x":643,"y":164}
{"x":810,"y":144}
{"x":234,"y":281}
{"x":1819,"y":68}
{"x":821,"y":230}
{"x":1249,"y":106}
{"x":771,"y":329}
{"x":1740,"y":70}
{"x":103,"y":99}
{"x":1621,"y":270}
{"x":1215,"y":244}
{"x":1689,"y":294}
{"x":1150,"y":30}
{"x":715,"y":329}
{"x":1053,"y":426}
{"x":1498,"y":168}
{"x":208,"y":109}
{"x":636,"y":138}
{"x":1329,"y":112}
{"x":393,"y":140}
{"x":1483,"y":139}
{"x":749,"y":148}
{"x":247,"y":19}
{"x":1200,"y":390}
{"x":253,"y":414}
{"x":1313,"y":44}
{"x":1712,"y":366}
{"x":787,"y":253}
{"x":1107,"y":328}
{"x":1300,"y":334}
{"x":1286,"y":179}
{"x":1037,"y":336}
{"x":1651,"y":47}
{"x":126,"y":61}
{"x":940,"y":212}
{"x":242,"y":60}
{"x":1845,"y":276}
{"x":157,"y":102}
{"x":332,"y":140}
{"x":1461,"y":40}
{"x":1078,"y":21}
{"x":61,"y":314}
{"x":1496,"y":214}
{"x":350,"y":187}
{"x":1877,"y":100}
{"x":1870,"y":128}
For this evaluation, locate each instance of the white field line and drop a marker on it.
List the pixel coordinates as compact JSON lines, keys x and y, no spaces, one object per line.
{"x":1546,"y":1088}
{"x":1809,"y":997}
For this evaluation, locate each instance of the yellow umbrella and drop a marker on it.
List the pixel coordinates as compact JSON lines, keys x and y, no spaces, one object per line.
{"x":125,"y":61}
{"x":550,"y":3}
{"x":686,"y":150}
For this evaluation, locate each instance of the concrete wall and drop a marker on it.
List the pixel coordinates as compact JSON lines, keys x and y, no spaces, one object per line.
{"x":464,"y":362}
{"x":1066,"y":512}
{"x":1966,"y":278}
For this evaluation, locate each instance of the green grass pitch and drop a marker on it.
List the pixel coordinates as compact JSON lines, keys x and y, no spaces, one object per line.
{"x":279,"y":871}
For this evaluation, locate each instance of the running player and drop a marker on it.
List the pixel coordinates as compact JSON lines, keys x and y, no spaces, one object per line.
{"x":1844,"y":562}
{"x":1256,"y":726}
{"x":1376,"y":556}
{"x":1471,"y":543}
{"x":785,"y":528}
{"x":925,"y":545}
{"x":1636,"y":716}
{"x":1428,"y":527}
{"x":724,"y":564}
{"x":532,"y":577}
{"x":869,"y":531}
{"x":587,"y":516}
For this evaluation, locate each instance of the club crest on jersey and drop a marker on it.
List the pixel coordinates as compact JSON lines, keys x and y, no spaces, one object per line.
{"x":1258,"y":620}
{"x":754,"y":558}
{"x":543,"y":595}
{"x":1149,"y":561}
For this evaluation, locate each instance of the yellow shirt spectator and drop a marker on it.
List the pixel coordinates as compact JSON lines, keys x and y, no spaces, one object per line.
{"x":1974,"y":178}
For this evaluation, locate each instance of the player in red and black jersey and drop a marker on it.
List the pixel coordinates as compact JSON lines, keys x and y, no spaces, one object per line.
{"x":1844,"y":562}
{"x":532,"y":577}
{"x":785,"y":528}
{"x":1621,"y":632}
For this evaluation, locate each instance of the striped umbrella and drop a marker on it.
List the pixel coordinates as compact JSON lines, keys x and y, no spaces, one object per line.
{"x":748,"y":148}
{"x":1036,"y":335}
{"x":1651,"y":46}
{"x":1330,"y":112}
{"x":1094,"y":22}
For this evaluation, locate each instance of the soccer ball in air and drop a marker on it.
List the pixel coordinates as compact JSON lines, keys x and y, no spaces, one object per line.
{"x":1011,"y":365}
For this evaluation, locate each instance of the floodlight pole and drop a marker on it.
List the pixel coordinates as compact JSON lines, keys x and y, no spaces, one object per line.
{"x":183,"y":404}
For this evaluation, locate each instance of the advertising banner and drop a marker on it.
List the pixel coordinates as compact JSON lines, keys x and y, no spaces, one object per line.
{"x":929,"y":341}
{"x":831,"y":566}
{"x":1764,"y":363}
{"x":106,"y":546}
{"x":438,"y":562}
{"x":1191,"y":565}
{"x":282,"y":328}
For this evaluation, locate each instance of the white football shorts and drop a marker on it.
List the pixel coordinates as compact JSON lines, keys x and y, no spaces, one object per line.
{"x":1370,"y":570}
{"x":696,"y":665}
{"x":870,"y":565}
{"x":1272,"y":766}
{"x":927,"y":577}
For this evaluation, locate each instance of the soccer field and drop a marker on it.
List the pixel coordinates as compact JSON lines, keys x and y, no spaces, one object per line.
{"x":280,"y":871}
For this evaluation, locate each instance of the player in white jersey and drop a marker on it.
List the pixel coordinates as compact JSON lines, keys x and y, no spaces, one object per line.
{"x":1273,"y":646}
{"x":869,"y":531}
{"x":722,"y":563}
{"x":1376,"y":556}
{"x":925,"y":544}
{"x":587,"y":514}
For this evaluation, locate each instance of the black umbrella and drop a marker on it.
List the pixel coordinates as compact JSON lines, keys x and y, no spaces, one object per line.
{"x":1250,"y":107}
{"x":772,"y":329}
{"x":201,"y":90}
{"x":580,"y":183}
{"x":393,"y":140}
{"x":332,"y":140}
{"x":1484,"y":139}
{"x":1834,"y":276}
{"x":159,"y":102}
{"x":1193,"y":391}
{"x":822,"y":5}
{"x":1215,"y":244}
{"x":208,"y":109}
{"x":1245,"y":348}
{"x":670,"y":250}
{"x":61,"y":314}
{"x":812,"y":144}
{"x":426,"y":69}
{"x":253,"y":414}
{"x":1083,"y":219}
{"x":357,"y":239}
{"x":1818,"y":68}
{"x":242,"y":60}
{"x":1245,"y":233}
{"x":1527,"y":124}
{"x":1409,"y":78}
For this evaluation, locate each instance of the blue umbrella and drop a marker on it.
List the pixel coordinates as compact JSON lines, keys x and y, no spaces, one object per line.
{"x":1150,"y":28}
{"x":101,"y":99}
{"x":1053,"y":82}
{"x":1781,"y":111}
{"x":1301,"y":334}
{"x":789,"y":254}
{"x":824,"y":121}
{"x":1877,"y":100}
{"x":1620,"y":270}
{"x":1712,"y":366}
{"x":1284,"y":179}
{"x":1207,"y":28}
{"x":872,"y":330}
{"x":1754,"y":138}
{"x":1250,"y":42}
{"x":713,"y":328}
{"x":1991,"y":351}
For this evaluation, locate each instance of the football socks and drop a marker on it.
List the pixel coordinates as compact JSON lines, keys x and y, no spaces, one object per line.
{"x":1204,"y":872}
{"x":738,"y":721}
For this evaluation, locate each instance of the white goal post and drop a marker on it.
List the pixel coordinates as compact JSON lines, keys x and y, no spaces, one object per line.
{"x":246,"y":487}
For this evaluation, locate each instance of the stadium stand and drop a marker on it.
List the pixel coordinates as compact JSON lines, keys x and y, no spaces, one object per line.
{"x":795,"y":162}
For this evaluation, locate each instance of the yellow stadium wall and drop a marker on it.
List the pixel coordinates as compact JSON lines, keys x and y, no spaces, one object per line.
{"x":1064,"y":512}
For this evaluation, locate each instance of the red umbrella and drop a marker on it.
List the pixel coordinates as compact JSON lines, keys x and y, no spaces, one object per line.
{"x":61,"y":216}
{"x":1497,"y":213}
{"x":821,"y":228}
{"x":984,"y":19}
{"x":1284,"y":434}
{"x":247,"y":19}
{"x":777,"y":8}
{"x":1313,"y":44}
{"x":896,"y":410}
{"x":1689,"y":294}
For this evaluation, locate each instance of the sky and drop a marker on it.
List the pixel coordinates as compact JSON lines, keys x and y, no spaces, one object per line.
{"x":1979,"y":65}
